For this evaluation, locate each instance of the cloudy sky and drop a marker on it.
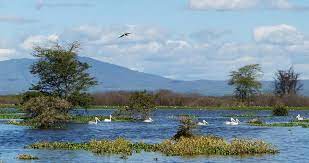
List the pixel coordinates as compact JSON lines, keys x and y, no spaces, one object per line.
{"x":179,"y":39}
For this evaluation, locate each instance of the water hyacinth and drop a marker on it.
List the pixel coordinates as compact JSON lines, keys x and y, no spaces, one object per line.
{"x":193,"y":146}
{"x":212,"y":145}
{"x":27,"y":157}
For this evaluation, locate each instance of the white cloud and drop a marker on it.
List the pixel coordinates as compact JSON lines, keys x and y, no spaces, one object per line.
{"x":278,"y":34}
{"x":239,"y":4}
{"x":158,"y":51}
{"x":39,"y":40}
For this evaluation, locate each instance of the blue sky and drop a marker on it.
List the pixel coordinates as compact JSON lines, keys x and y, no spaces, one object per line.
{"x":179,"y":39}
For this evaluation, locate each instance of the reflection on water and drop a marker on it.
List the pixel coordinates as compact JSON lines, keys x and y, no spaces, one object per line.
{"x":293,"y":143}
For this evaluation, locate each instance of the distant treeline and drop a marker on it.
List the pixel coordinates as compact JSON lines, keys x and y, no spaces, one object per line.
{"x":169,"y":98}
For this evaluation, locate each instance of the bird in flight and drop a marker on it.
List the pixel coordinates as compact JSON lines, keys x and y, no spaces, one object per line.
{"x":124,"y":35}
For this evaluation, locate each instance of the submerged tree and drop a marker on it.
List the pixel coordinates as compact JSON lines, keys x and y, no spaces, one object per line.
{"x":245,"y":81}
{"x":47,"y":111}
{"x":61,"y":74}
{"x":141,"y":104}
{"x":186,"y":127}
{"x":287,"y":82}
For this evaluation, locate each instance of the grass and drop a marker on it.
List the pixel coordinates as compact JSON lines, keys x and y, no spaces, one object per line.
{"x":201,"y":145}
{"x":27,"y":157}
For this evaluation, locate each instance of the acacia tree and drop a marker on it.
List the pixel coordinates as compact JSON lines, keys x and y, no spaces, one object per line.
{"x":287,"y":82}
{"x":61,"y":74}
{"x":245,"y":81}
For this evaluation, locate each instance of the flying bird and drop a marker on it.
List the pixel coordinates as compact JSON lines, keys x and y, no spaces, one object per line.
{"x":124,"y":35}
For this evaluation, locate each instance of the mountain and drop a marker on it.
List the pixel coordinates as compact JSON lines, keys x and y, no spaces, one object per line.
{"x":15,"y":78}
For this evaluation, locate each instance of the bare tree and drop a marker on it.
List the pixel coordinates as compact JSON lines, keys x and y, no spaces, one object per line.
{"x":287,"y":82}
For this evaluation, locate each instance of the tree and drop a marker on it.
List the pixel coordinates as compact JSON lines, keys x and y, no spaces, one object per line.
{"x":245,"y":81}
{"x":61,"y":74}
{"x":141,"y":104}
{"x":287,"y":82}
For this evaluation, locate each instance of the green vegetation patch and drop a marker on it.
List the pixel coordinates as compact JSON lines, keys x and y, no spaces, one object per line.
{"x":285,"y":124}
{"x":12,"y":116}
{"x":27,"y":157}
{"x":194,"y":146}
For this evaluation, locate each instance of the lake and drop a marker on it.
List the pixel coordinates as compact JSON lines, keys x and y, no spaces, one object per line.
{"x":293,"y":142}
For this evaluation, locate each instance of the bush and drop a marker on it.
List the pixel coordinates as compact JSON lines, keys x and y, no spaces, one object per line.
{"x":185,"y":128}
{"x":280,"y":110}
{"x":47,"y":111}
{"x":141,"y":104}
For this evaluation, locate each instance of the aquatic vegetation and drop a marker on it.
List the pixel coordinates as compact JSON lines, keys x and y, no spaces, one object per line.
{"x":12,"y":116}
{"x":20,"y":123}
{"x":280,"y":110}
{"x":27,"y":157}
{"x":193,"y":146}
{"x":255,"y":121}
{"x":213,"y":145}
{"x":285,"y":124}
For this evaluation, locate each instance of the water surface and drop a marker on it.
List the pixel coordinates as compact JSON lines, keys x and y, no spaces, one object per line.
{"x":293,"y":143}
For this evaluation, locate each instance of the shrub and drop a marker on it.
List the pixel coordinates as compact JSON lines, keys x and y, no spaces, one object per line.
{"x":47,"y":111}
{"x":141,"y":104}
{"x":185,"y":128}
{"x":280,"y":110}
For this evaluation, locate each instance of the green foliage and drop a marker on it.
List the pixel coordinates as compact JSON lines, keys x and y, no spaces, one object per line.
{"x":245,"y":81}
{"x":141,"y":104}
{"x":280,"y":110}
{"x":193,"y":146}
{"x":185,"y":128}
{"x":61,"y":74}
{"x":27,"y":157}
{"x":47,"y":111}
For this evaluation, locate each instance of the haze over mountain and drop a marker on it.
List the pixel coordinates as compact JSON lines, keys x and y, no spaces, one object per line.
{"x":15,"y":78}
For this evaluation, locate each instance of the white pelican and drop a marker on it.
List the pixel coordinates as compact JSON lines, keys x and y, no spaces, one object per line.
{"x":204,"y":123}
{"x":96,"y":119}
{"x":233,"y":122}
{"x":108,"y":120}
{"x":299,"y":118}
{"x":149,"y":120}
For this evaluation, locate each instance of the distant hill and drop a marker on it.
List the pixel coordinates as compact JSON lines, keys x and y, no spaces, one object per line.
{"x":15,"y":78}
